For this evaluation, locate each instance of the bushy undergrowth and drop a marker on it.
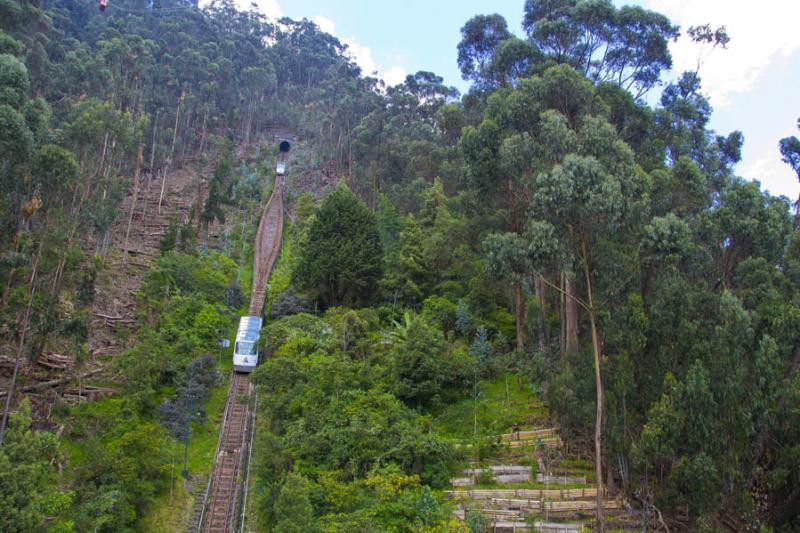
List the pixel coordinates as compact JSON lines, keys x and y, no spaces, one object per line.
{"x":122,"y":448}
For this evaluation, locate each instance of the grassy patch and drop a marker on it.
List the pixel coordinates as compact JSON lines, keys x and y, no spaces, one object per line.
{"x":168,"y":515}
{"x":576,"y":464}
{"x":501,"y":403}
{"x":74,"y":451}
{"x":170,"y":511}
{"x":246,"y":280}
{"x":281,"y":275}
{"x":203,"y":440}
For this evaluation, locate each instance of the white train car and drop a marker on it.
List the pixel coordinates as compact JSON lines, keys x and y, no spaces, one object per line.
{"x":280,"y":167}
{"x":245,"y":350}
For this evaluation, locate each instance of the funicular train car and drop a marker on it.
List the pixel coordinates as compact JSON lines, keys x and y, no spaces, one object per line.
{"x":245,"y":350}
{"x":280,"y":167}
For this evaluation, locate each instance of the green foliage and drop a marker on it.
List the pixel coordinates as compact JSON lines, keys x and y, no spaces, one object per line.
{"x":210,"y":324}
{"x":170,"y":238}
{"x":332,"y":393}
{"x":553,"y":162}
{"x":667,"y":239}
{"x":123,"y":468}
{"x":502,"y":401}
{"x":342,"y":260}
{"x":293,"y":510}
{"x":480,"y":38}
{"x":421,"y":367}
{"x":124,"y":465}
{"x":697,"y":481}
{"x":441,"y":312}
{"x":390,"y":225}
{"x":626,"y":44}
{"x":14,"y":82}
{"x":505,"y":255}
{"x":790,"y":152}
{"x":189,"y":403}
{"x":27,"y":477}
{"x":219,"y":192}
{"x":206,"y":277}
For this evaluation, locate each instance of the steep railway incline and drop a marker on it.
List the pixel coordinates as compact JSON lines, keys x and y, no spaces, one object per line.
{"x":268,"y":245}
{"x":220,"y":513}
{"x":224,"y":501}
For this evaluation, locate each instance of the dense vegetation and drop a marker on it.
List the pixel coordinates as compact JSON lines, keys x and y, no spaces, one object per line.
{"x":549,"y":224}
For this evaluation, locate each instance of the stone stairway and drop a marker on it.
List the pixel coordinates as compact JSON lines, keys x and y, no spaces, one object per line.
{"x":524,"y":488}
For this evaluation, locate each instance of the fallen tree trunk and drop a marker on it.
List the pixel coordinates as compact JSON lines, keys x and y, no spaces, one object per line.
{"x":60,"y":381}
{"x":55,"y":382}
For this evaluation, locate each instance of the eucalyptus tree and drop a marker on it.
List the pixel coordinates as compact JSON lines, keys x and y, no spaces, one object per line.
{"x":627,"y":46}
{"x":513,"y":60}
{"x":790,"y":154}
{"x":589,"y":197}
{"x":525,"y":131}
{"x":505,"y":258}
{"x":481,"y":37}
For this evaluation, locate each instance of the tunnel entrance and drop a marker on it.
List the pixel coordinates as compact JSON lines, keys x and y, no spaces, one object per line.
{"x":285,"y":146}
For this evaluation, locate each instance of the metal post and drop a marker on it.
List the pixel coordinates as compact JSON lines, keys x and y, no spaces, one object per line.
{"x":186,"y":442}
{"x":220,"y":343}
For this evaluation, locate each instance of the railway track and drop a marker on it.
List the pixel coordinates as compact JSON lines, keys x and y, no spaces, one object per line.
{"x":268,"y":245}
{"x":221,"y":506}
{"x":224,"y":497}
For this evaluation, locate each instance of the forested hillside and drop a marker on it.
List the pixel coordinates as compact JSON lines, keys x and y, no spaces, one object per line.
{"x":545,"y":251}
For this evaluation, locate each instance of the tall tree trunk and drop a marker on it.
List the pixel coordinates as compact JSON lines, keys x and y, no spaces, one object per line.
{"x":12,"y":271}
{"x":153,"y":146}
{"x":562,"y":315}
{"x":21,"y":345}
{"x":55,"y":288}
{"x":137,"y":169}
{"x":203,"y":134}
{"x":571,"y":316}
{"x":598,"y":381}
{"x":171,"y":152}
{"x":541,"y":298}
{"x":248,"y":122}
{"x":186,"y":130}
{"x":520,"y":315}
{"x":99,"y":170}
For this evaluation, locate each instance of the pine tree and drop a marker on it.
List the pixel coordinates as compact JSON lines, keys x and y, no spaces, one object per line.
{"x":343,"y":259}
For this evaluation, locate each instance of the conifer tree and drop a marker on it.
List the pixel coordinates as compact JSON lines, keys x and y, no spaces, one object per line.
{"x":343,"y":259}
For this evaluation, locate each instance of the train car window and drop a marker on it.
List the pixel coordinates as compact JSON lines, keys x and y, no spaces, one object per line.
{"x":244,"y":348}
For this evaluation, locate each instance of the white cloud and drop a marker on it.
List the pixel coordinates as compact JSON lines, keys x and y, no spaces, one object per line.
{"x":395,"y":75}
{"x":760,"y":33}
{"x":362,"y":54}
{"x":270,"y":8}
{"x":775,"y":175}
{"x":325,"y":24}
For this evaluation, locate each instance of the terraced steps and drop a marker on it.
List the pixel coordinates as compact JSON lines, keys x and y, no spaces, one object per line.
{"x":522,"y":442}
{"x":519,"y":507}
{"x":528,"y":494}
{"x":560,"y":480}
{"x":500,"y":474}
{"x":503,"y":522}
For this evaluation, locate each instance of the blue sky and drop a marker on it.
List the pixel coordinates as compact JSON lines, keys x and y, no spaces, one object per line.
{"x":754,"y":85}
